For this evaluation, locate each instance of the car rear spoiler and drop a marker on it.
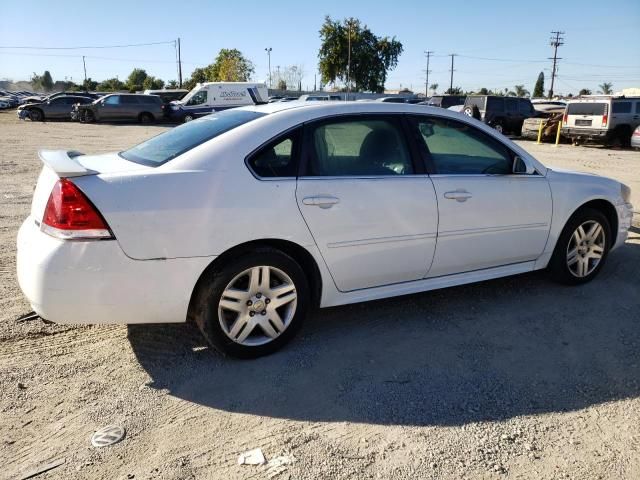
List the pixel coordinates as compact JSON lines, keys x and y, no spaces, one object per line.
{"x":63,"y":162}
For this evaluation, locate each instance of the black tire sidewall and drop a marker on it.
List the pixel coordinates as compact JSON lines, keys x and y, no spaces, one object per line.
{"x":558,"y":264}
{"x":216,"y":280}
{"x":38,"y":113}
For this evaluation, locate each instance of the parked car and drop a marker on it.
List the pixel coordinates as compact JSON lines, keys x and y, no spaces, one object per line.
{"x":505,"y":114}
{"x":550,"y":120}
{"x":59,"y":107}
{"x":635,"y":139}
{"x":319,"y":98}
{"x":208,"y":97}
{"x":4,"y":104}
{"x":394,"y":100}
{"x":42,"y":98}
{"x":243,"y":220}
{"x":121,"y":106}
{"x":608,"y":120}
{"x":542,"y":104}
{"x":169,"y":95}
{"x":446,"y":101}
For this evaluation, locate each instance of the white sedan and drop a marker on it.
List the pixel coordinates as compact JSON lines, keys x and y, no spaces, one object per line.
{"x":245,"y":219}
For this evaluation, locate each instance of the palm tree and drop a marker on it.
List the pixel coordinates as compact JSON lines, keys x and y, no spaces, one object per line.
{"x":521,"y":91}
{"x":434,"y":87}
{"x":605,"y":88}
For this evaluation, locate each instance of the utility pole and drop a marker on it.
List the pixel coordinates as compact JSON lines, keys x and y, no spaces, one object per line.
{"x":428,"y":53}
{"x":85,"y":72}
{"x":268,"y":50}
{"x":452,"y":55}
{"x":179,"y":65}
{"x":556,"y":41}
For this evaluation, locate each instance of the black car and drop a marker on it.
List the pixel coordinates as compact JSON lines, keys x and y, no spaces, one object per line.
{"x":122,"y":106}
{"x":59,"y":107}
{"x":505,"y":114}
{"x":446,"y":101}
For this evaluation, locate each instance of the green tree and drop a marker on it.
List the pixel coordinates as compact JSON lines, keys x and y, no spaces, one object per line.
{"x":199,"y":75}
{"x":172,"y":84}
{"x":606,"y":88}
{"x":521,"y":91}
{"x":89,"y":84}
{"x":483,"y":91}
{"x":454,"y":91}
{"x":47,"y":81}
{"x":230,"y":66}
{"x":136,"y":79}
{"x":281,"y":84}
{"x":538,"y":89}
{"x":152,"y":83}
{"x":111,"y":85}
{"x":584,"y":91}
{"x":434,"y":87}
{"x":371,"y":56}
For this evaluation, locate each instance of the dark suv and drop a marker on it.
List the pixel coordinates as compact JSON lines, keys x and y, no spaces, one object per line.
{"x":446,"y":101}
{"x":122,"y":106}
{"x":505,"y":114}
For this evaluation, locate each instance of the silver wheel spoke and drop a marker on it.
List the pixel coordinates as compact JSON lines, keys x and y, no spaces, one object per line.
{"x":582,"y":267}
{"x":245,"y":333}
{"x":254,"y":280}
{"x":276,"y":320}
{"x":265,"y":278}
{"x":596,"y":252}
{"x":572,"y":256}
{"x":268,"y":329}
{"x":240,"y":322}
{"x":231,"y":305}
{"x":240,"y":295}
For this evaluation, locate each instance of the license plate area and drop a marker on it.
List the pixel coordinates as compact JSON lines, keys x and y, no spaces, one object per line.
{"x":583,"y":123}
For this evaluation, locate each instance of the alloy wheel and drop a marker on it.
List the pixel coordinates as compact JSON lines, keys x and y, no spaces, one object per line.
{"x":586,"y":248}
{"x":257,"y":305}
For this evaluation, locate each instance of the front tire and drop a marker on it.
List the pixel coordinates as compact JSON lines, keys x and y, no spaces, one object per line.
{"x":582,"y":248}
{"x":188,"y":118}
{"x":145,"y":118}
{"x":36,"y":115}
{"x":253,"y":305}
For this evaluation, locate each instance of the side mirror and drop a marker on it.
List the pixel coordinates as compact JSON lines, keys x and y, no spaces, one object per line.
{"x":520,"y":167}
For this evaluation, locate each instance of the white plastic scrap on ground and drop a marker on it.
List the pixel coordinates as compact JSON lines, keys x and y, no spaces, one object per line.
{"x":252,"y":457}
{"x":278,"y":465}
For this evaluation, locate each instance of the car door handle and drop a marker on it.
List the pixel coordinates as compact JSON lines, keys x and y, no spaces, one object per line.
{"x":322,"y":201}
{"x":458,"y":195}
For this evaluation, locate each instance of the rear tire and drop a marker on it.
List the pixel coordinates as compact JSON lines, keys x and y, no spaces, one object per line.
{"x":244,"y":317}
{"x":578,"y":258}
{"x":499,"y":127}
{"x":145,"y":118}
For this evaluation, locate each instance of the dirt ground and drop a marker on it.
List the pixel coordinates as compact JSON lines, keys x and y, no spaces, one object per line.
{"x":513,"y":378}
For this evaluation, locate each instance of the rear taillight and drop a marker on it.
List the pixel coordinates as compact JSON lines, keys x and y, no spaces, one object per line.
{"x":565,"y":118}
{"x":70,"y":215}
{"x":605,"y":119}
{"x":636,"y":132}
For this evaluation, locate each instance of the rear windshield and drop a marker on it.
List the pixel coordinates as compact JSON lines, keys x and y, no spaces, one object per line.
{"x":586,"y":108}
{"x":169,"y":145}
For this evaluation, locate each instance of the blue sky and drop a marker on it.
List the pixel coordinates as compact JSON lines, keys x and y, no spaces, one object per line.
{"x":500,"y":43}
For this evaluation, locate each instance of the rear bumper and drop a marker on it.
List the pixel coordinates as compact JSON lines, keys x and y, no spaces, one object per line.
{"x":93,"y":282}
{"x":588,"y":133}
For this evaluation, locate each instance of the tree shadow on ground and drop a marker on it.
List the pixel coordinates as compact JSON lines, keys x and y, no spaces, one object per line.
{"x":488,"y":351}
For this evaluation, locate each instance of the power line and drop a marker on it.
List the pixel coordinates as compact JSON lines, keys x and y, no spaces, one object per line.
{"x":555,"y":42}
{"x":88,"y":47}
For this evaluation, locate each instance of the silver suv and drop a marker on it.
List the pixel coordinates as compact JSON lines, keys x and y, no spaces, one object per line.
{"x":609,"y":120}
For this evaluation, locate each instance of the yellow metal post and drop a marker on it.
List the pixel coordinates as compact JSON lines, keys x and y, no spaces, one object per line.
{"x":558,"y":133}
{"x":540,"y":131}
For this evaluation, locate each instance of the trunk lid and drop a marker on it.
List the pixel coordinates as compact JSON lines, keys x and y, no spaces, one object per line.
{"x":69,"y":164}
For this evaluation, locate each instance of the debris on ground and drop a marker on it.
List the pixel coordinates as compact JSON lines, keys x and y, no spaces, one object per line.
{"x":43,"y":468}
{"x":107,"y":436}
{"x":252,"y":457}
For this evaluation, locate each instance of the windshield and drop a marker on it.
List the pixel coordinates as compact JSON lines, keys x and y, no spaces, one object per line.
{"x":175,"y":142}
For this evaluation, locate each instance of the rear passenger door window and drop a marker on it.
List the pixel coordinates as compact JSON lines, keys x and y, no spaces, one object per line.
{"x":456,"y":148}
{"x":277,"y":159}
{"x":621,"y":107}
{"x":368,"y":146}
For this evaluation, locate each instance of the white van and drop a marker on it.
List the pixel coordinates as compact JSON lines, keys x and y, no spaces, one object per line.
{"x":215,"y":96}
{"x":604,"y":119}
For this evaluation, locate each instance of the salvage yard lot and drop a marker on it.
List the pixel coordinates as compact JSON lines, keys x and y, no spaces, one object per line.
{"x":513,"y":378}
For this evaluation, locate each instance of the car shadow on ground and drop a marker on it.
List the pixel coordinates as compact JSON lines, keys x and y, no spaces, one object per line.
{"x":488,"y":351}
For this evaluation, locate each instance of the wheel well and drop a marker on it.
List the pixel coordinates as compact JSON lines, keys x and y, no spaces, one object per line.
{"x":608,"y":210}
{"x":295,"y":251}
{"x":145,"y":113}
